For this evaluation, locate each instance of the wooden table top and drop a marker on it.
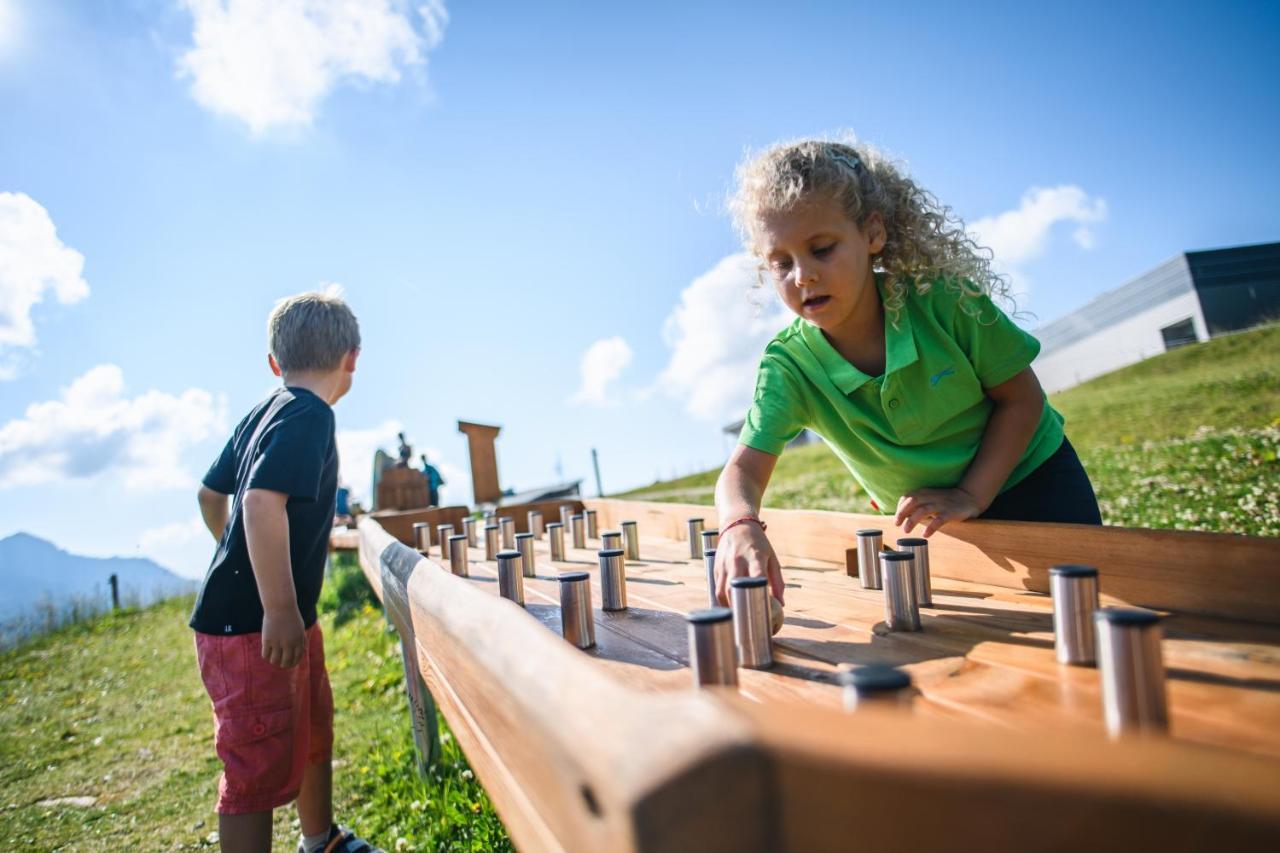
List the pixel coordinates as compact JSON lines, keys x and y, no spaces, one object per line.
{"x":985,"y":652}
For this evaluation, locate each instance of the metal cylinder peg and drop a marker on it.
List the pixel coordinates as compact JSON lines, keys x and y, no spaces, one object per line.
{"x":710,"y":540}
{"x":535,"y":523}
{"x":507,"y":526}
{"x":469,"y":531}
{"x":1131,"y":665}
{"x":593,"y":525}
{"x":458,"y":556}
{"x":443,"y":532}
{"x":422,"y":535}
{"x":919,"y":551}
{"x":611,"y":539}
{"x":566,"y":513}
{"x":869,"y":542}
{"x":524,"y":544}
{"x":555,"y":540}
{"x":751,"y":635}
{"x":880,"y":686}
{"x":510,"y":580}
{"x":900,"y":610}
{"x":578,"y":526}
{"x":631,"y":538}
{"x":576,"y":622}
{"x":613,"y":580}
{"x":491,"y":541}
{"x":709,"y":563}
{"x":695,"y":538}
{"x":1075,"y":599}
{"x":711,"y":652}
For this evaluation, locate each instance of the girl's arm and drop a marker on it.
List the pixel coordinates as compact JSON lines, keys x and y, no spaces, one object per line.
{"x":744,"y":550}
{"x":1019,"y":405}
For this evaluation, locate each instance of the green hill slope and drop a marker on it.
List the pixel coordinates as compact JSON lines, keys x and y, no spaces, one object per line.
{"x":1186,"y":440}
{"x":106,"y":739}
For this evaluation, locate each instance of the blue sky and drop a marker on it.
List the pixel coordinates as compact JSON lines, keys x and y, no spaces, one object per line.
{"x":502,"y":188}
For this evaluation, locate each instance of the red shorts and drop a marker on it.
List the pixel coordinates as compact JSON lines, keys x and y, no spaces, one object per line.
{"x":269,"y":723}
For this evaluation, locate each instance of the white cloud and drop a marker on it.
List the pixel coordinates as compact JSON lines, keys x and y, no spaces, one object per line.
{"x":716,"y":334}
{"x":602,"y":364}
{"x":10,"y":24}
{"x":94,"y":429}
{"x":184,"y":546}
{"x":269,"y":63}
{"x":1019,"y":236}
{"x":33,"y":262}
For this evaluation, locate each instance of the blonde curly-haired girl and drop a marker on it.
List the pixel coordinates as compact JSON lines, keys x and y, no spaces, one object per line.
{"x":898,"y":357}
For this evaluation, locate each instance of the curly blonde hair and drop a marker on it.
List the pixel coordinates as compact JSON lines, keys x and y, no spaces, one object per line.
{"x":925,"y":241}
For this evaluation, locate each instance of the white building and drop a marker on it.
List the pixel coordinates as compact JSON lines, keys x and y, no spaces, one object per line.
{"x":1191,"y":297}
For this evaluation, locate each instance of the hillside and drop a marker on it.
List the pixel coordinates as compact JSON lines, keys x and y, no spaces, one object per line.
{"x":39,"y":576}
{"x":106,"y":739}
{"x":1187,"y":440}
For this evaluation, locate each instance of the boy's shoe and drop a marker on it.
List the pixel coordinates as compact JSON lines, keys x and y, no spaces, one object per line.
{"x":343,"y":840}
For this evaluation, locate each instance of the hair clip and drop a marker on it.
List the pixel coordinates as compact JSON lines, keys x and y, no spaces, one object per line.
{"x":852,"y":162}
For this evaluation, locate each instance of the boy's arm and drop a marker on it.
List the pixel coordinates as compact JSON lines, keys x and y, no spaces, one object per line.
{"x":266,"y":528}
{"x":1019,"y":405}
{"x":214,"y":509}
{"x":744,"y":549}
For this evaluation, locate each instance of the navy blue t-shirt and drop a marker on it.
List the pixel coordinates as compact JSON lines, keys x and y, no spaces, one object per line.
{"x":286,"y":444}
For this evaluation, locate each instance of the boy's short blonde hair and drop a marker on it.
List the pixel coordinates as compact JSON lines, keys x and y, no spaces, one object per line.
{"x":311,"y":331}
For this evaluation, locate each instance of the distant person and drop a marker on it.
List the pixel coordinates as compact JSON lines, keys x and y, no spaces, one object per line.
{"x":342,"y":506}
{"x":434,"y":482}
{"x":257,"y":641}
{"x":405,"y":451}
{"x":898,"y":357}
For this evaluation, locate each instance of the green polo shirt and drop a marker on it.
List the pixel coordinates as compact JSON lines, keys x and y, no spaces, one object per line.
{"x":917,"y":426}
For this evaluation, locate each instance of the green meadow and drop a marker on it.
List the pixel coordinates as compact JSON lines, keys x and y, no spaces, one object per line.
{"x":113,"y":711}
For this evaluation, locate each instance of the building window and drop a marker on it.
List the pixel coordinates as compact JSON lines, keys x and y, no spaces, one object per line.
{"x":1179,"y":334}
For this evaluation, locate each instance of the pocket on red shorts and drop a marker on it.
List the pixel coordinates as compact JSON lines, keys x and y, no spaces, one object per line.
{"x":256,"y":748}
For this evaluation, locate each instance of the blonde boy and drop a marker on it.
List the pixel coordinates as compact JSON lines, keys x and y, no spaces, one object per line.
{"x":269,"y":501}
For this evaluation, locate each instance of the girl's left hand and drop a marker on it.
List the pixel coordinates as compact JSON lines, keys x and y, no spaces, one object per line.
{"x":934,"y":508}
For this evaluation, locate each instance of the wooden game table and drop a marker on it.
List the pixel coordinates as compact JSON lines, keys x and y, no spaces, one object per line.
{"x":613,"y":748}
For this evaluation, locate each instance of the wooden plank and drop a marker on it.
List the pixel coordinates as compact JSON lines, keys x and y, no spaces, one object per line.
{"x":609,"y":751}
{"x":399,"y":523}
{"x":880,"y":781}
{"x":1233,"y":577}
{"x":342,"y":539}
{"x":555,"y":740}
{"x":996,"y":662}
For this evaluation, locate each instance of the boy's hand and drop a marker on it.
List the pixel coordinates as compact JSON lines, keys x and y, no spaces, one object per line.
{"x":934,"y":508}
{"x":744,"y":552}
{"x":284,"y":639}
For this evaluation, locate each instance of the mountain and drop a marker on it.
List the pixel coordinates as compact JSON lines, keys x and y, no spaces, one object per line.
{"x":36,"y":572}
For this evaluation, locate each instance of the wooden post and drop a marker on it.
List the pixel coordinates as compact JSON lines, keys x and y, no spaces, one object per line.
{"x":115,"y":591}
{"x":484,"y":460}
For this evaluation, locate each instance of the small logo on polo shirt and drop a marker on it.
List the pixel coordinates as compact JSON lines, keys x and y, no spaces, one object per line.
{"x":940,"y":375}
{"x":226,"y":628}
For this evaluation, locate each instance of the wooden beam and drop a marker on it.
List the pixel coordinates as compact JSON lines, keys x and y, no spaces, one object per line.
{"x":484,"y":460}
{"x":611,"y":749}
{"x":1234,"y":577}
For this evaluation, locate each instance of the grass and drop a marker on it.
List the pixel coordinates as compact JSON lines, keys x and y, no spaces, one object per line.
{"x":1185,"y":440}
{"x":113,"y":709}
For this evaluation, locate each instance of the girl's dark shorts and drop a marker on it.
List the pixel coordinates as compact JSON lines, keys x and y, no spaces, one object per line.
{"x":1059,"y":490}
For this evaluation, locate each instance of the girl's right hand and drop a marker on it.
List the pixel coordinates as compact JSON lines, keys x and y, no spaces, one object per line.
{"x":744,"y":551}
